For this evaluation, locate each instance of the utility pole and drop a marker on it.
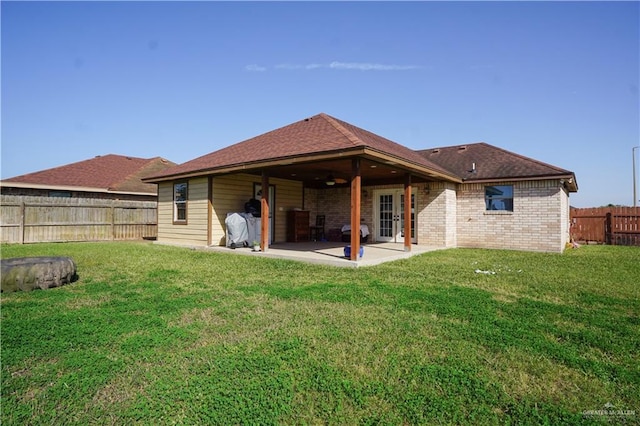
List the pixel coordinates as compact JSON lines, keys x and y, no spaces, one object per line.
{"x":635,"y":193}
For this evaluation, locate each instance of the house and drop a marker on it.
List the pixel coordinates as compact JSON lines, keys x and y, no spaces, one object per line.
{"x":100,"y":199}
{"x":107,"y":177}
{"x":474,"y":195}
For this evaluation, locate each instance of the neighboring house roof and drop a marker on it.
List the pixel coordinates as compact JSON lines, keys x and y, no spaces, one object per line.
{"x":320,"y":135}
{"x":484,"y":162}
{"x":108,"y":173}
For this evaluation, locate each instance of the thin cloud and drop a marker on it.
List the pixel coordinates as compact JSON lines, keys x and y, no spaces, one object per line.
{"x":358,"y":66}
{"x":255,"y":68}
{"x":365,"y":66}
{"x":299,"y":66}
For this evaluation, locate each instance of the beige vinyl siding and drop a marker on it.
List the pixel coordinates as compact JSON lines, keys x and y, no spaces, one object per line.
{"x":194,"y":232}
{"x":289,"y":195}
{"x":231,"y":192}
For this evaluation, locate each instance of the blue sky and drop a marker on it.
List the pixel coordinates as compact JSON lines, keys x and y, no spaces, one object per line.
{"x":554,"y":81}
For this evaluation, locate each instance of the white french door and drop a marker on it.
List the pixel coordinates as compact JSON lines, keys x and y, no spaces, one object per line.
{"x":389,"y":211}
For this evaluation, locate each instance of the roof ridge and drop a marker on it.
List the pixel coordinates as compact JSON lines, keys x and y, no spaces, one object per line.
{"x":452,"y":146}
{"x":524,"y":157}
{"x":356,"y":141}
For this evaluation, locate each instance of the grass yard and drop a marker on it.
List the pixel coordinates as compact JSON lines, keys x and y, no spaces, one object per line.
{"x":152,"y":334}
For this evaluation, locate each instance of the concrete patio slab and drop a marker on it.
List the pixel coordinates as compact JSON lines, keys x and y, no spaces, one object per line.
{"x":332,"y":253}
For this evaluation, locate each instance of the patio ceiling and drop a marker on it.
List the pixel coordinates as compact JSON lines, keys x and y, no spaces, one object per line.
{"x":315,"y":174}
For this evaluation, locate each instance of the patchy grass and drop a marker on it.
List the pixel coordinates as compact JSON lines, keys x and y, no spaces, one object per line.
{"x":162,"y":335}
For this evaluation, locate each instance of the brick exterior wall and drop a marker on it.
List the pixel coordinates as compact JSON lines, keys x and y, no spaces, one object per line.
{"x":335,"y":204}
{"x":437,"y":214}
{"x":436,"y":218}
{"x":539,"y":221}
{"x":450,"y":215}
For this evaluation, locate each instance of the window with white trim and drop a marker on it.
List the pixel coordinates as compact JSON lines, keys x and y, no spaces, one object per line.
{"x":180,"y":191}
{"x":498,"y":197}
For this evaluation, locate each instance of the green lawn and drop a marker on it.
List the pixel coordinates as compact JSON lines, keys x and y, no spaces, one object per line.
{"x":152,"y":334}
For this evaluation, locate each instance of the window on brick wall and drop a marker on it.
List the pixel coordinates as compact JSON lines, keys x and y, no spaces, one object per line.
{"x":499,"y":197}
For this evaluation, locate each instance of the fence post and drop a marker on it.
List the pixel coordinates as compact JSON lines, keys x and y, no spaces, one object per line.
{"x":607,"y":230}
{"x":113,"y":222}
{"x":21,"y":229}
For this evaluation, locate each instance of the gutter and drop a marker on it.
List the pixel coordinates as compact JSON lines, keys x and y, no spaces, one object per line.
{"x":570,"y":180}
{"x":5,"y":184}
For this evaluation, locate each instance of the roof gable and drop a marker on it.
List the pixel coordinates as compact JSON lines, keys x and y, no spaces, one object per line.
{"x":320,"y":134}
{"x":109,"y":172}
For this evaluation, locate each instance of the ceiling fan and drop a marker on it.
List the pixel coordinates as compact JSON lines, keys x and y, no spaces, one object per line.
{"x":330,"y":181}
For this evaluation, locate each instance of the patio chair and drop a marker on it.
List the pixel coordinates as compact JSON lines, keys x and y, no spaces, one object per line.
{"x":316,"y":232}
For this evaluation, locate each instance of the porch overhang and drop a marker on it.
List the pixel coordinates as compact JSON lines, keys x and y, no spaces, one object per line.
{"x":377,"y":168}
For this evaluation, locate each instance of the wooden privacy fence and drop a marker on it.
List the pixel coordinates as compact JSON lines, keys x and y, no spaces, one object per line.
{"x":606,"y":225}
{"x":45,"y":219}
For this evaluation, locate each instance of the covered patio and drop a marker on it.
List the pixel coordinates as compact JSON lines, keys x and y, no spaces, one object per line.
{"x":332,"y":253}
{"x":332,"y":155}
{"x":319,"y":165}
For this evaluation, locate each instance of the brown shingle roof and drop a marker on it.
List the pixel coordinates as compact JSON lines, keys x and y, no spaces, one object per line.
{"x":315,"y":135}
{"x":109,"y":172}
{"x":491,"y":163}
{"x":323,"y":134}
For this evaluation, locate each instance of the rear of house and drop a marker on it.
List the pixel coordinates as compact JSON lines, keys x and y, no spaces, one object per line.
{"x":475,"y":195}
